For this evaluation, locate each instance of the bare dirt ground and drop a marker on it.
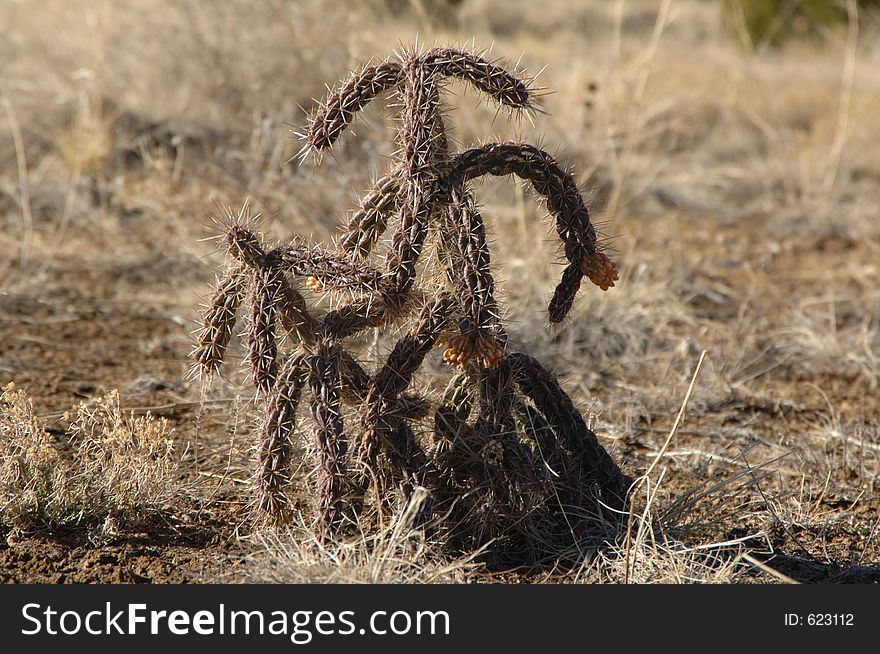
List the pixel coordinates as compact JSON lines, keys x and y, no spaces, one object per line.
{"x":742,"y":191}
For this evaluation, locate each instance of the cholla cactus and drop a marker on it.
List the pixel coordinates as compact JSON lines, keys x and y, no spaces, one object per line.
{"x":510,"y":457}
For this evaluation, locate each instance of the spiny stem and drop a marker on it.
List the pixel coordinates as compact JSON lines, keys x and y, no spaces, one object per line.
{"x":481,"y":333}
{"x":274,"y":450}
{"x":395,"y":376}
{"x":218,"y":321}
{"x":368,"y":223}
{"x":337,"y":110}
{"x":263,"y":348}
{"x":564,"y":201}
{"x":541,"y":387}
{"x":493,"y":80}
{"x":332,"y":445}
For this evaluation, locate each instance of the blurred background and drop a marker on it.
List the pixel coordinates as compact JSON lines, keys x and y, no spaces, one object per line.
{"x":126,"y":123}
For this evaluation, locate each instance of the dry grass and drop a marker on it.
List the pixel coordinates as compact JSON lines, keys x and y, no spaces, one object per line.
{"x":393,"y":554}
{"x":111,"y":467}
{"x":740,"y":192}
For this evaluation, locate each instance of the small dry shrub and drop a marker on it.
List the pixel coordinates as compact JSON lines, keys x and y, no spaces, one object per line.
{"x":32,"y":479}
{"x":120,"y":464}
{"x":124,"y":461}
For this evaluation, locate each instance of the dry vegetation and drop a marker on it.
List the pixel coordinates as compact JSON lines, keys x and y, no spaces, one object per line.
{"x":741,"y":190}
